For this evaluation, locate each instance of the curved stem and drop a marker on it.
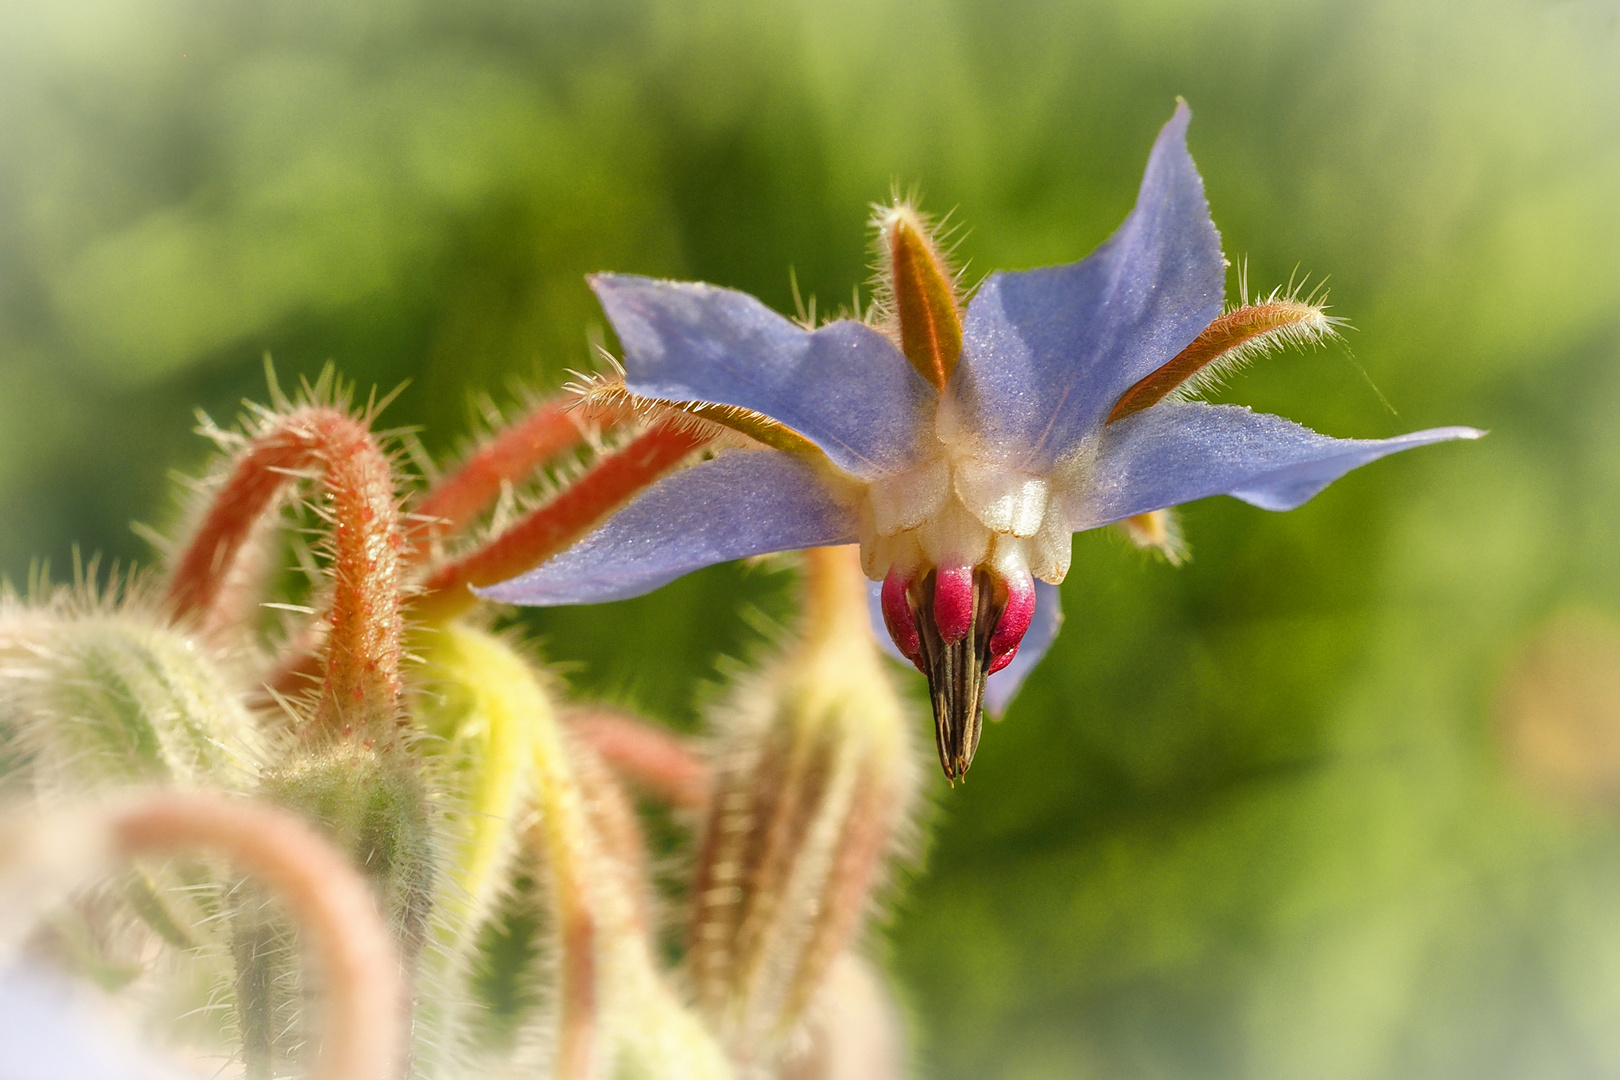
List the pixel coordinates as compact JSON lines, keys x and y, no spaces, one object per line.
{"x":656,"y":759}
{"x":511,"y":455}
{"x":608,"y":485}
{"x":361,"y":686}
{"x":364,"y":1028}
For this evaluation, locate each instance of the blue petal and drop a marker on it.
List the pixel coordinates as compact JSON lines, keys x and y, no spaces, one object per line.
{"x":1043,"y":630}
{"x":739,"y":504}
{"x":1004,"y":684}
{"x":1177,"y":452}
{"x":845,"y":387}
{"x":1047,"y":352}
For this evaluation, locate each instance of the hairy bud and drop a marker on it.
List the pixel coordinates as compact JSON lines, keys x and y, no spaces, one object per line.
{"x":813,"y":777}
{"x":99,"y":699}
{"x":371,"y":805}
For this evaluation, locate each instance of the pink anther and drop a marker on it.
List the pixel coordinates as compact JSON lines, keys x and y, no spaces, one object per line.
{"x":1002,"y":661}
{"x":899,"y":618}
{"x":1015,"y":619}
{"x":953,"y":602}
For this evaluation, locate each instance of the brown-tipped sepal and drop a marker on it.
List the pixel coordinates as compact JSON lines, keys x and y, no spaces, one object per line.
{"x":1228,"y":343}
{"x":921,"y":292}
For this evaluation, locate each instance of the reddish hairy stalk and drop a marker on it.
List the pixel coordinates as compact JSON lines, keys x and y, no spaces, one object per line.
{"x":361,"y":686}
{"x":509,"y":456}
{"x":608,"y":485}
{"x":1256,"y":326}
{"x":364,"y":1027}
{"x":613,"y":819}
{"x":657,"y":760}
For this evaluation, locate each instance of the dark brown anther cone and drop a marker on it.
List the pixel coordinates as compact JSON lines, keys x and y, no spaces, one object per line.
{"x":957,"y":670}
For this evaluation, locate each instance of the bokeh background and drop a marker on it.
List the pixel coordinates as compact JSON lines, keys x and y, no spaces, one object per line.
{"x":1340,"y":799}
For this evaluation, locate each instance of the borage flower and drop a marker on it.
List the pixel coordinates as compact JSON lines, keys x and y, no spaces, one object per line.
{"x":961,"y":450}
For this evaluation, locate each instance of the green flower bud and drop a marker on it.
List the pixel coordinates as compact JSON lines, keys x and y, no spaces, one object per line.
{"x":814,"y":777}
{"x":371,"y":803}
{"x":103,"y":699}
{"x":94,"y":699}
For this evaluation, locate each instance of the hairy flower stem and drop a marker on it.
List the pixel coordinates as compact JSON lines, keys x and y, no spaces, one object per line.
{"x":656,"y":759}
{"x":363,"y":1029}
{"x":510,"y":456}
{"x":498,"y":682}
{"x":360,"y":690}
{"x":611,"y":483}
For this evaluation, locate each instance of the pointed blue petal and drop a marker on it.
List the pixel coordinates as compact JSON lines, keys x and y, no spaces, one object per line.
{"x":742,"y":503}
{"x":845,"y":387}
{"x":1176,"y":452}
{"x":1003,"y":685}
{"x":1047,"y":352}
{"x":1043,"y":630}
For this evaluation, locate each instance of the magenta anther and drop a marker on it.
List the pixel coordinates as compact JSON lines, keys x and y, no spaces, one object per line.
{"x":953,"y":602}
{"x":899,"y":618}
{"x":1015,"y":619}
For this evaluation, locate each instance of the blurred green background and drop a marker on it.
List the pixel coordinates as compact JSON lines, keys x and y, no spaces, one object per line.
{"x":1339,"y":799}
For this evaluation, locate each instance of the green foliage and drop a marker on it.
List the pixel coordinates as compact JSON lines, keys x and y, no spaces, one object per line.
{"x":1252,"y":817}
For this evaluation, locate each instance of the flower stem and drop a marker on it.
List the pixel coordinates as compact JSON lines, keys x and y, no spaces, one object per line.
{"x":611,"y":483}
{"x":364,"y":1030}
{"x":361,"y":685}
{"x":511,"y":455}
{"x":656,"y":759}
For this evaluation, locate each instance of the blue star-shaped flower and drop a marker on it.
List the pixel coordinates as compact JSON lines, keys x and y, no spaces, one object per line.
{"x":961,"y":451}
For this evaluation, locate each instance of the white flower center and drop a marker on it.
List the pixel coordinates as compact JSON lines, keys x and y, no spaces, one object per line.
{"x":962,"y":508}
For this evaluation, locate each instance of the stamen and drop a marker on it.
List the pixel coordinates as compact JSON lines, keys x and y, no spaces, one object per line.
{"x":899,"y":618}
{"x":1231,"y":340}
{"x":1015,"y":620}
{"x":1003,"y":660}
{"x":953,"y":602}
{"x":922,"y":291}
{"x":998,"y":611}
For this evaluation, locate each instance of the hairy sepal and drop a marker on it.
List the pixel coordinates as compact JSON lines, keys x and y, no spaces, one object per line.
{"x":813,"y":781}
{"x":917,"y":292}
{"x":1227,"y":344}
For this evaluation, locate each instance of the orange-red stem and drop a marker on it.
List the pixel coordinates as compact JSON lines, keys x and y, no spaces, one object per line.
{"x":657,"y":760}
{"x":610,"y":484}
{"x":361,"y":685}
{"x":510,"y":456}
